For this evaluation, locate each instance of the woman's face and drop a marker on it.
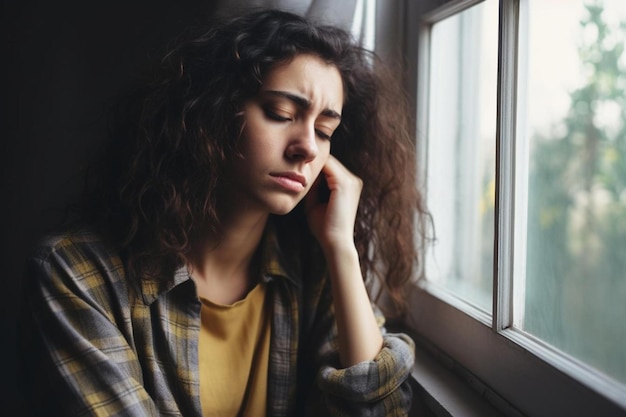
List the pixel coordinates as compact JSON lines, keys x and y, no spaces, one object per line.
{"x":286,"y":135}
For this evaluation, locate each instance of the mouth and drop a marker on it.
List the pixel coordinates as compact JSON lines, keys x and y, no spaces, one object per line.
{"x":290,"y":180}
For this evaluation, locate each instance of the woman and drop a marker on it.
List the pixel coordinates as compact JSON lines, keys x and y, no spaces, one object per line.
{"x":219,"y":267}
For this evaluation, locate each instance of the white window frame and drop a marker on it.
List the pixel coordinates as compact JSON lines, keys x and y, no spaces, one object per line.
{"x":531,"y":377}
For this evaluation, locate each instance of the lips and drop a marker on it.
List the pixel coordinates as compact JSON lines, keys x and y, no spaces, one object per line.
{"x":290,"y":180}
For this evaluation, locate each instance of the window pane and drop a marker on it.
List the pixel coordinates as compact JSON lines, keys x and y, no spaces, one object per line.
{"x":461,"y":150}
{"x":576,"y":226}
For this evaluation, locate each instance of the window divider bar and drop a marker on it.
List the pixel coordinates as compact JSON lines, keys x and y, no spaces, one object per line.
{"x":421,"y":123}
{"x":505,"y":165}
{"x":423,"y":72}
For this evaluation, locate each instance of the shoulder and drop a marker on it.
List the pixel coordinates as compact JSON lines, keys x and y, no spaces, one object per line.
{"x":80,"y":251}
{"x":78,"y":264}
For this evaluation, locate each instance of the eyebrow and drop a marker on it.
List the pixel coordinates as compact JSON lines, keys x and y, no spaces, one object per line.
{"x":302,"y":102}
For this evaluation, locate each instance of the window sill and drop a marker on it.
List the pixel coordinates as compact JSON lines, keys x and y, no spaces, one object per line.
{"x":440,"y":392}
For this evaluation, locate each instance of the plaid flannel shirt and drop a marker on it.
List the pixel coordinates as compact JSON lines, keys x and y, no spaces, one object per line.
{"x":100,"y":345}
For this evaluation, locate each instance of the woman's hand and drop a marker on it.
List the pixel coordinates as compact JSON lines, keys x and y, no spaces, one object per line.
{"x":332,"y":221}
{"x":332,"y":224}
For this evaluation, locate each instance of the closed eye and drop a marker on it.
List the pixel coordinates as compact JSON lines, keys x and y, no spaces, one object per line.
{"x":274,"y":116}
{"x":322,"y":134}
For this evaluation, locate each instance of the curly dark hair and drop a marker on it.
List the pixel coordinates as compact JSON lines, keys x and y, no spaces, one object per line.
{"x":179,"y":136}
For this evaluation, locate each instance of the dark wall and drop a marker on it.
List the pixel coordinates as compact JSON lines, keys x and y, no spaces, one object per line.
{"x":62,"y":63}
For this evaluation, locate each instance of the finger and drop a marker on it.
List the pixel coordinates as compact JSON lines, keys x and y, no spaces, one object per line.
{"x":335,"y":172}
{"x":338,"y":176}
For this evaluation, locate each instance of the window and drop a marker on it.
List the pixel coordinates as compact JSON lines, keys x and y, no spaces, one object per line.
{"x":461,"y":151}
{"x":522,"y":127}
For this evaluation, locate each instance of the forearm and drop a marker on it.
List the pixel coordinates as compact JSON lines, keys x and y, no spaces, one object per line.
{"x":358,"y":334}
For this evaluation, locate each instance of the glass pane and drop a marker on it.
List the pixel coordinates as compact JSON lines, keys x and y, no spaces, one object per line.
{"x":461,"y":152}
{"x":576,"y":227}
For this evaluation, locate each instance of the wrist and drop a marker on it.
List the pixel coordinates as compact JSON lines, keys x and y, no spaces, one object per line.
{"x":340,"y":251}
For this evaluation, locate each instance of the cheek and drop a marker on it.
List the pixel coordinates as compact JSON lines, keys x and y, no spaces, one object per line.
{"x":323,"y":149}
{"x":255,"y":130}
{"x":252,"y":141}
{"x":320,"y":162}
{"x":324,"y":153}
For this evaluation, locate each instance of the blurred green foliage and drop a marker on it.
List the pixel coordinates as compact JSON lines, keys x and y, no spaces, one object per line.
{"x":576,"y":264}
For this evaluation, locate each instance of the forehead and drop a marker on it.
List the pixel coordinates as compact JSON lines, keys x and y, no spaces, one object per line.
{"x":308,"y":76}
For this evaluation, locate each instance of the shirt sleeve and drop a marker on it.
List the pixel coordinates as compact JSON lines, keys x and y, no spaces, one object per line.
{"x":379,"y":387}
{"x":80,"y":358}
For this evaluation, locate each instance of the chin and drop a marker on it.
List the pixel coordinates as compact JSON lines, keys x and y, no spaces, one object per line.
{"x":281,"y":211}
{"x":281,"y":208}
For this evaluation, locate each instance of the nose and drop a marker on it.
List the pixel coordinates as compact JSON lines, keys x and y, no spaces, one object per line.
{"x":303,"y":144}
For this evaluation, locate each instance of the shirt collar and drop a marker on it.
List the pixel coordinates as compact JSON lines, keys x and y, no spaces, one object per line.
{"x":276,"y":262}
{"x":151,"y":289}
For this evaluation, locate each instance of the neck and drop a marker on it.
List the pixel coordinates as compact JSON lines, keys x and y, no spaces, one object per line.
{"x":225,"y":271}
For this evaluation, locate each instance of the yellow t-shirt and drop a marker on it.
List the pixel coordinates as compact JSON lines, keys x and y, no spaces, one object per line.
{"x":233,"y":353}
